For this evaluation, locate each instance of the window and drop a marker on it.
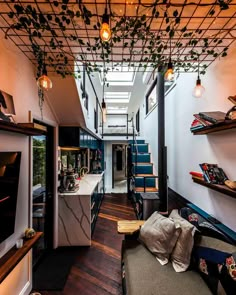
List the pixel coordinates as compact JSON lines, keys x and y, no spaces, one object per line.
{"x":151,"y":97}
{"x":95,"y":121}
{"x":137,"y":123}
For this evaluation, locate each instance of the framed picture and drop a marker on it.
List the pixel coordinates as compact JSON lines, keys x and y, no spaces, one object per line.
{"x":7,"y":109}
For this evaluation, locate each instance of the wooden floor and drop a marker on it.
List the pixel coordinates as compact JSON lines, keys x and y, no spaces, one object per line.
{"x":97,"y":268}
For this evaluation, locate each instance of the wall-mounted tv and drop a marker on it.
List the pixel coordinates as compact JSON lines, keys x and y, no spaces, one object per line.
{"x":9,"y":180}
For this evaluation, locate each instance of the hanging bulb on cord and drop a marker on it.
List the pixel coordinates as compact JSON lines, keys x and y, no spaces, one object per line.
{"x":198,"y":90}
{"x":105,"y":31}
{"x":43,"y":81}
{"x":169,"y":74}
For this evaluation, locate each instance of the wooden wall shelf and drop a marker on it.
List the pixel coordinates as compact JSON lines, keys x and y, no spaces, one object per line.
{"x":14,"y":256}
{"x":217,"y":187}
{"x":13,"y":127}
{"x":216,"y":127}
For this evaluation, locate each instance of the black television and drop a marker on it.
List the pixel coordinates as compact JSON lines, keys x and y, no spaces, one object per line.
{"x":9,"y":180}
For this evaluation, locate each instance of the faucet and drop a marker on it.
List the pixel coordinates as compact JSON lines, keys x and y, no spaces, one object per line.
{"x":82,"y":171}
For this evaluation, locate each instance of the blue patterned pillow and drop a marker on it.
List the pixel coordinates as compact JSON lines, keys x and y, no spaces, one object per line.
{"x":215,"y":259}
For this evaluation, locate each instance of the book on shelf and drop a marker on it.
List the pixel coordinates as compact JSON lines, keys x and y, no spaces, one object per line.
{"x":33,"y":125}
{"x":213,"y":174}
{"x":202,"y":121}
{"x":213,"y":117}
{"x":207,"y":170}
{"x":197,"y":174}
{"x":232,"y":99}
{"x":195,"y":125}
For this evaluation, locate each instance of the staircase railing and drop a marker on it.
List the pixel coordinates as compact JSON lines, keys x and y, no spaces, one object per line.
{"x":144,"y":180}
{"x":131,"y":166}
{"x":135,"y":144}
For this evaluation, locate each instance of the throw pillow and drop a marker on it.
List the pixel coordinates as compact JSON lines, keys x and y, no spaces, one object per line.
{"x":181,"y":255}
{"x":159,"y":234}
{"x":215,"y":259}
{"x":204,"y":227}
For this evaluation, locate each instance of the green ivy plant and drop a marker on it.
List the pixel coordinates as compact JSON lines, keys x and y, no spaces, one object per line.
{"x":127,"y":32}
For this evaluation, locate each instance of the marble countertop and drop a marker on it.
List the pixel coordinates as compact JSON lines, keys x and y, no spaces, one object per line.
{"x":87,"y":185}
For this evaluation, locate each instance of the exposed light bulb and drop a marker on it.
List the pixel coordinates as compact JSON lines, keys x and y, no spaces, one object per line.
{"x":44,"y":81}
{"x":198,"y":90}
{"x":105,"y":32}
{"x":169,"y":74}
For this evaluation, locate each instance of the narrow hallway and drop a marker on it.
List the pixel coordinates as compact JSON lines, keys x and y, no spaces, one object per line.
{"x":96,"y":269}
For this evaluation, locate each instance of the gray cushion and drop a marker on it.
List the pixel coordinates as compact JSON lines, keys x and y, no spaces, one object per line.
{"x":181,"y":254}
{"x":159,"y":234}
{"x":145,"y":276}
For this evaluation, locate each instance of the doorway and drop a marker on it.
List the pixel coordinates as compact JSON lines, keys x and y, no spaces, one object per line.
{"x":119,"y":168}
{"x":42,"y":199}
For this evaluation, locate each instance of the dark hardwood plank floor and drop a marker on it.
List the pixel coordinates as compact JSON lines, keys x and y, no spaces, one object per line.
{"x":97,"y":268}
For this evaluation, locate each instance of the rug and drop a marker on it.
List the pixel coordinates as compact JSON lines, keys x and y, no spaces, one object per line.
{"x":53,"y":270}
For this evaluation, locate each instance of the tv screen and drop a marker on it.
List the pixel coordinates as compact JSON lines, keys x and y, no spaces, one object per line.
{"x":9,"y":180}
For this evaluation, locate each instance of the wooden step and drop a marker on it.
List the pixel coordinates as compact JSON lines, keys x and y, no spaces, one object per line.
{"x":147,"y":189}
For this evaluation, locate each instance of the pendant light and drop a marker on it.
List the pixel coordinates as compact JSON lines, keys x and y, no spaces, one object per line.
{"x":105,"y":31}
{"x":198,"y":90}
{"x":169,"y":74}
{"x":104,"y":109}
{"x":44,"y":81}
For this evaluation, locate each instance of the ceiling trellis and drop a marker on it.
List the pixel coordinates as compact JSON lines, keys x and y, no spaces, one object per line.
{"x":145,"y":32}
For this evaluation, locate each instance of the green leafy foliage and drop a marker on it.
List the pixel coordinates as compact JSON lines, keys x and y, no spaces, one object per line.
{"x":127,"y":32}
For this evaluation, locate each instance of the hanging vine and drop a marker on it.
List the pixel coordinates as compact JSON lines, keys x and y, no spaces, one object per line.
{"x":126,"y":33}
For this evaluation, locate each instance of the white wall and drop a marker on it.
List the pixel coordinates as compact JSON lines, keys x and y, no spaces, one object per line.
{"x":17,"y":77}
{"x":89,"y":114}
{"x":186,"y":151}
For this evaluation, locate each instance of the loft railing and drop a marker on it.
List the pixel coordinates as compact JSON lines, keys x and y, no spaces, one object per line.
{"x":117,"y":125}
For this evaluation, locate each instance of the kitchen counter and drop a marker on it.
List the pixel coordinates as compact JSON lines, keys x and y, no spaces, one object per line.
{"x":87,"y":185}
{"x":78,"y":211}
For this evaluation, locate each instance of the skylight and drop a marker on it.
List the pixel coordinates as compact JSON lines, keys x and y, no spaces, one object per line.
{"x":117,"y":110}
{"x":120,"y":76}
{"x":117,"y":97}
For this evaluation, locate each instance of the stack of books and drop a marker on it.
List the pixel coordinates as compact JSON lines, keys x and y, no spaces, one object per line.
{"x":197,"y":175}
{"x":205,"y":119}
{"x":213,"y":174}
